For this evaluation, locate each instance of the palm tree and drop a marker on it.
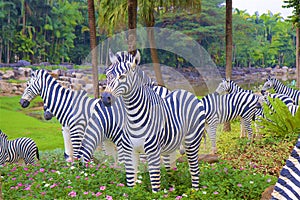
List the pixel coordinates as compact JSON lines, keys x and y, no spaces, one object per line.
{"x":228,"y":33}
{"x":132,"y":15}
{"x":296,"y":21}
{"x":92,"y":25}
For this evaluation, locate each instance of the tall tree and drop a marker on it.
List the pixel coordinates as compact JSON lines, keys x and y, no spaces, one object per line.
{"x":132,"y":21}
{"x":228,"y":33}
{"x":295,"y":18}
{"x":93,"y":45}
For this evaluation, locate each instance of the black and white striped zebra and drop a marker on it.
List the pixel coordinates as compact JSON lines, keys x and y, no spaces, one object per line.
{"x":230,"y":86}
{"x":224,"y":108}
{"x":281,"y":89}
{"x":288,"y":184}
{"x":12,"y":151}
{"x":71,"y":108}
{"x":154,"y":125}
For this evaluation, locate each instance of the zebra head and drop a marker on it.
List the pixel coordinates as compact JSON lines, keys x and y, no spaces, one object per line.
{"x":3,"y":153}
{"x":224,"y":86}
{"x":120,"y":76}
{"x":267,"y":85}
{"x":33,"y":88}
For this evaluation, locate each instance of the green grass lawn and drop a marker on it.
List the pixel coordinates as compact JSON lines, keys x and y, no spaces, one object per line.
{"x":16,"y":122}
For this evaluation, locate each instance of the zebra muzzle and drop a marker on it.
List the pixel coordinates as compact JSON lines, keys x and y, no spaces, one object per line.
{"x":24,"y":103}
{"x":107,"y":98}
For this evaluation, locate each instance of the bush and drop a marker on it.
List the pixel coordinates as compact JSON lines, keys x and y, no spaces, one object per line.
{"x":279,"y":122}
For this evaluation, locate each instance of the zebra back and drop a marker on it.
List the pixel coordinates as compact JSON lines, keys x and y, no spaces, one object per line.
{"x":20,"y":148}
{"x":288,"y":184}
{"x":230,"y":86}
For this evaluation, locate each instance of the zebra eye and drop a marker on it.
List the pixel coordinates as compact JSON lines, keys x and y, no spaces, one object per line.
{"x":122,"y":76}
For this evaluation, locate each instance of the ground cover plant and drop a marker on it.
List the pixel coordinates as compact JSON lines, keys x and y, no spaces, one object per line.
{"x":243,"y":172}
{"x":53,"y":178}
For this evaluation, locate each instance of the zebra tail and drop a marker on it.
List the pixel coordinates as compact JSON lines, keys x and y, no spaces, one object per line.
{"x":37,"y":153}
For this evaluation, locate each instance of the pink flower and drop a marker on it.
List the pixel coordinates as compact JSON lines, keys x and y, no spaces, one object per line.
{"x":171,"y":189}
{"x":120,"y":184}
{"x":77,"y":177}
{"x":25,"y":169}
{"x":27,"y":188}
{"x":43,"y":193}
{"x":72,"y":194}
{"x":13,"y":179}
{"x":93,"y":175}
{"x":54,"y":185}
{"x":178,"y":197}
{"x":109,"y":197}
{"x":98,"y":194}
{"x":13,"y":169}
{"x":102,"y":187}
{"x":216,"y":192}
{"x":86,"y":193}
{"x":125,"y":195}
{"x":239,"y":185}
{"x":269,"y":180}
{"x":20,"y":184}
{"x":42,"y":170}
{"x":175,"y":169}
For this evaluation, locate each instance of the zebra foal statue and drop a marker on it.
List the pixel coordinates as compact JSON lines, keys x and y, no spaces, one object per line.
{"x":224,"y":108}
{"x":288,"y":184}
{"x":155,"y":126}
{"x":280,"y":88}
{"x":12,"y":151}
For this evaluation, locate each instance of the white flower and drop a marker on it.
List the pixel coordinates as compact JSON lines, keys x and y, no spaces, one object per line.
{"x":69,"y":182}
{"x":204,"y":192}
{"x":81,"y":172}
{"x":72,"y":167}
{"x":47,"y":185}
{"x":165,"y":191}
{"x":251,"y":182}
{"x":184,"y":195}
{"x":85,"y":174}
{"x":58,"y":172}
{"x":140,"y":177}
{"x":138,"y":181}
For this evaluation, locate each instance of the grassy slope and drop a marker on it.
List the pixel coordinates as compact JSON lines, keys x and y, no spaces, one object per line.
{"x":15,"y":123}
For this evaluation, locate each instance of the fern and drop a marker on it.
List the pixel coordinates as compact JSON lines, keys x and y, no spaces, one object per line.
{"x":278,"y":121}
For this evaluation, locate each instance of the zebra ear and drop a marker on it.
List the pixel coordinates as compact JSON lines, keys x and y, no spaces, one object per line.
{"x":136,"y":59}
{"x":112,"y":57}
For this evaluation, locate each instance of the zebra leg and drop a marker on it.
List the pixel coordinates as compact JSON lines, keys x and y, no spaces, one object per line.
{"x":131,"y":167}
{"x":243,"y":129}
{"x":192,"y":156}
{"x":154,"y":170}
{"x":211,"y":131}
{"x":68,"y":144}
{"x":247,"y":123}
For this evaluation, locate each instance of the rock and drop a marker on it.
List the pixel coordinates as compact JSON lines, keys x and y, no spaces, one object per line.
{"x":210,"y":158}
{"x":267,"y":194}
{"x":9,"y":74}
{"x":24,"y":63}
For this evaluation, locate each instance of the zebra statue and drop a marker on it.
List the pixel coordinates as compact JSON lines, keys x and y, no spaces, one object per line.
{"x":288,"y":185}
{"x":281,"y":89}
{"x":71,"y":108}
{"x":154,"y":125}
{"x":230,"y":86}
{"x":224,"y":108}
{"x":12,"y":151}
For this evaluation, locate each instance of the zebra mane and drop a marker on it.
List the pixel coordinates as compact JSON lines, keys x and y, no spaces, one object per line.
{"x":3,"y":135}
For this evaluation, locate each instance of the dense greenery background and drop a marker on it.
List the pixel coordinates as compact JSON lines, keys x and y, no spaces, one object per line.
{"x":57,"y":31}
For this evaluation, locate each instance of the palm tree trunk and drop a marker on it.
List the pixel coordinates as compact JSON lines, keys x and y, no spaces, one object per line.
{"x":228,"y":33}
{"x":132,"y":15}
{"x":154,"y":56}
{"x":298,"y":55}
{"x":93,"y":46}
